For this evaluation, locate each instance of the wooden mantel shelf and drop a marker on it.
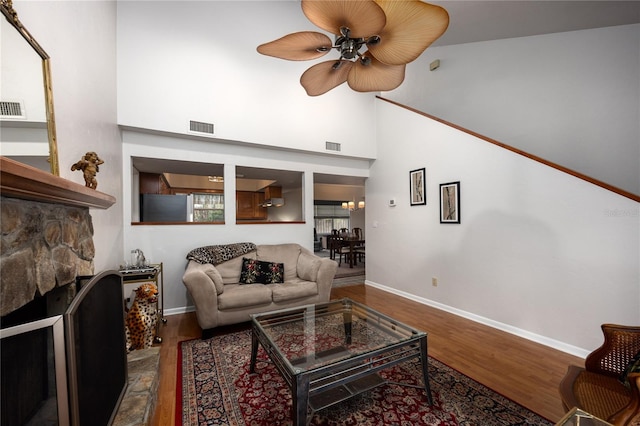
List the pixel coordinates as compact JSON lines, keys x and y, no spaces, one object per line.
{"x":18,"y":180}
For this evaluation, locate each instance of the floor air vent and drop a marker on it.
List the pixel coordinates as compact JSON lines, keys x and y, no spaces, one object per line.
{"x":332,"y":146}
{"x":200,"y":127}
{"x":10,"y":109}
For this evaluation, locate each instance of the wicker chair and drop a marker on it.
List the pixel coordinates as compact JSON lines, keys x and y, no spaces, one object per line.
{"x":597,"y":388}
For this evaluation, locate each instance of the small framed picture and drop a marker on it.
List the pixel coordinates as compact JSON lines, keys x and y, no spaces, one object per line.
{"x":417,"y":187}
{"x":450,"y":202}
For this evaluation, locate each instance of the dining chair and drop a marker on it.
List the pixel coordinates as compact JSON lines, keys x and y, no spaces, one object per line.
{"x":343,"y":250}
{"x":359,"y":248}
{"x":332,"y":243}
{"x":357,"y":233}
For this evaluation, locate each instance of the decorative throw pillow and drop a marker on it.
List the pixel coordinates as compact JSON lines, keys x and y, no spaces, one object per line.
{"x":250,"y":273}
{"x":632,"y":367}
{"x":272,"y":272}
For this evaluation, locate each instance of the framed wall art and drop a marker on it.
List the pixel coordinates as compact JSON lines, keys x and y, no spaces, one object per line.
{"x":417,"y":187}
{"x":450,"y":202}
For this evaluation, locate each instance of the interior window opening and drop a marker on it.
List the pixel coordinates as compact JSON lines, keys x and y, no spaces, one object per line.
{"x":268,"y":196}
{"x":170,"y":191}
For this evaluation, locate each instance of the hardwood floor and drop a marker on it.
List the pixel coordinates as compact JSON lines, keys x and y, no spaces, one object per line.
{"x":526,"y":372}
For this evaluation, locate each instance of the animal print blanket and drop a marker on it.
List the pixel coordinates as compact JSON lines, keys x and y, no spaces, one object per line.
{"x":220,"y":253}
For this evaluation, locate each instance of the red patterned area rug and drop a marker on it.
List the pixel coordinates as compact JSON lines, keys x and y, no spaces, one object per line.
{"x":214,"y":387}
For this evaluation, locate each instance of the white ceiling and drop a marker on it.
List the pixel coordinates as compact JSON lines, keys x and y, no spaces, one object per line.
{"x":473,"y":21}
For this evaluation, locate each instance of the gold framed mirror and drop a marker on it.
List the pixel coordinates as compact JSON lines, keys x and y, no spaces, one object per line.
{"x":26,"y":117}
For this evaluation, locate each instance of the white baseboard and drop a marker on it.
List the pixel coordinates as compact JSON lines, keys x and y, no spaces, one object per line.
{"x":176,"y":311}
{"x":555,"y":344}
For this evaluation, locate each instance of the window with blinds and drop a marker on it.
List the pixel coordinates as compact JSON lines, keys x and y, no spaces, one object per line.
{"x":329,"y":215}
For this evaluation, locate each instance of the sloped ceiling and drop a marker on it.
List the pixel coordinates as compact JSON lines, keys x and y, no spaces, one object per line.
{"x":473,"y":21}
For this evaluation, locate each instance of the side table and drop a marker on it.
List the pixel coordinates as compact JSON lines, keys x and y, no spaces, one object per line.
{"x":150,"y":273}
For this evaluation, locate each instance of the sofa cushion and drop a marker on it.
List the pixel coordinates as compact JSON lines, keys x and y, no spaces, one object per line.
{"x":293,"y":289}
{"x":215,"y":276}
{"x":251,"y":272}
{"x":308,"y":266}
{"x":230,"y":270}
{"x":281,"y":253}
{"x":238,"y":296}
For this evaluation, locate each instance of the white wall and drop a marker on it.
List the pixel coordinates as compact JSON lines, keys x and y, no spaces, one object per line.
{"x":80,"y":38}
{"x":181,"y":61}
{"x":171,"y":243}
{"x":572,"y":98}
{"x":21,"y":74}
{"x":539,"y":252}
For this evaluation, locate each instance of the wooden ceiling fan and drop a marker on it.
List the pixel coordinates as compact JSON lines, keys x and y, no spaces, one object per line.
{"x":395,"y":32}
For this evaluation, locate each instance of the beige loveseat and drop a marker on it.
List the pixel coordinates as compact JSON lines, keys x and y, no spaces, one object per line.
{"x":220,"y":298}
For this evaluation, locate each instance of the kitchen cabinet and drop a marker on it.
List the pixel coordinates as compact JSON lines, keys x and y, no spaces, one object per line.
{"x":152,"y":183}
{"x":273,"y":192}
{"x":249,"y":206}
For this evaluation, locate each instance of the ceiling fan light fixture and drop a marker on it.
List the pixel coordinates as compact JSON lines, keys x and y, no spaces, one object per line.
{"x":349,"y":48}
{"x":373,"y":40}
{"x":395,"y":32}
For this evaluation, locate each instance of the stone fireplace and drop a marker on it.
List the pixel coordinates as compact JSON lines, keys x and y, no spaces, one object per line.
{"x":47,"y":234}
{"x":46,"y":244}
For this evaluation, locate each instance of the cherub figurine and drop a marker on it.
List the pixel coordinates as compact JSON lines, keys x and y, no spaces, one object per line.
{"x":89,"y":166}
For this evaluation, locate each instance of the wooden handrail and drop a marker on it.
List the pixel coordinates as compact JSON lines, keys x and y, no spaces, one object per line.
{"x":596,"y":182}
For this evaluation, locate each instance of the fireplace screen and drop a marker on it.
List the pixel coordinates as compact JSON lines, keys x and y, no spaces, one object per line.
{"x":34,"y":369}
{"x":96,"y":350}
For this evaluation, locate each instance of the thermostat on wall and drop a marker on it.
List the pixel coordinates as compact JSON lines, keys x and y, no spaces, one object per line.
{"x":392,"y":202}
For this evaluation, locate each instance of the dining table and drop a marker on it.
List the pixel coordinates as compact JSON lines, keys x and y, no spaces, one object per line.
{"x":352,"y":242}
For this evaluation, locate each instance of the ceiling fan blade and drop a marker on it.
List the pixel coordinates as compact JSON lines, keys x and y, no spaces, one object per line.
{"x":411,"y":27}
{"x":322,"y":77}
{"x":376,"y":76}
{"x":363,"y":18}
{"x":299,"y":46}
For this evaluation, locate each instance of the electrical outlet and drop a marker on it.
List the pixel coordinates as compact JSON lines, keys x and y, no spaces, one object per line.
{"x":434,"y":282}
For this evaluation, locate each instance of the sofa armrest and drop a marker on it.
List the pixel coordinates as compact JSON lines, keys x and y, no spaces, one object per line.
{"x":203,"y":292}
{"x":326,"y":273}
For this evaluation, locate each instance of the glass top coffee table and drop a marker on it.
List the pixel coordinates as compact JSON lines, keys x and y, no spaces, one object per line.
{"x":332,"y":351}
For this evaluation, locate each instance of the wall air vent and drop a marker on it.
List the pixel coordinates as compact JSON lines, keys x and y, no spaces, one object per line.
{"x":12,"y":109}
{"x":332,"y":146}
{"x":200,"y":127}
